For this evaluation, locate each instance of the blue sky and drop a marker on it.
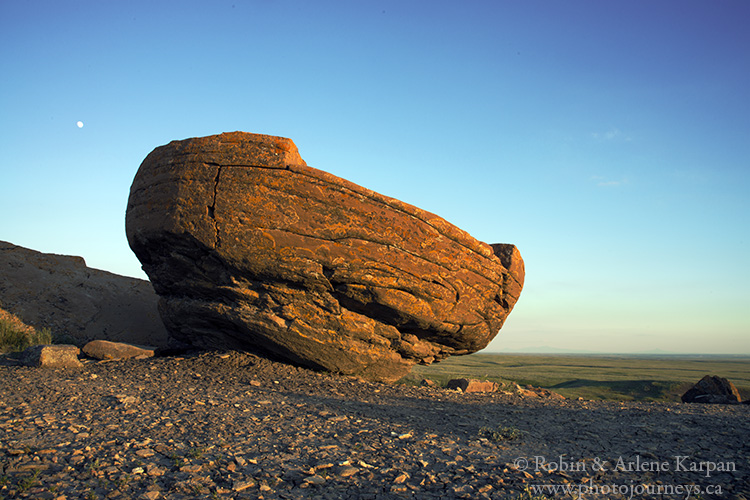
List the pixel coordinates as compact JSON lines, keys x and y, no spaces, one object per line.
{"x":610,"y":141}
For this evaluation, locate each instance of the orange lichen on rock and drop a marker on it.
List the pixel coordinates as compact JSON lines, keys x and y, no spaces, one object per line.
{"x":250,"y":248}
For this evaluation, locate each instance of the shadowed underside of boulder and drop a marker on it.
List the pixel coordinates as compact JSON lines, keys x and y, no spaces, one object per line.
{"x":249,"y":248}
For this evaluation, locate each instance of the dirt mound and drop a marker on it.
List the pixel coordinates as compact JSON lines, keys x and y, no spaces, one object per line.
{"x":60,"y":293}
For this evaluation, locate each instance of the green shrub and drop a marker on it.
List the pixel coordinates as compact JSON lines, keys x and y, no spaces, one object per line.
{"x":528,"y":495}
{"x":500,"y":433}
{"x":14,"y":337}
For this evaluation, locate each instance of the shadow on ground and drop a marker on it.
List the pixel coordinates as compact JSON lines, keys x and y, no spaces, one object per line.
{"x":638,"y":390}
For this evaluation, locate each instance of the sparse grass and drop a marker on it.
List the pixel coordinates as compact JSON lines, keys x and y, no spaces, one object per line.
{"x":27,"y":482}
{"x":501,"y":433}
{"x":528,"y":495}
{"x":195,"y":452}
{"x":122,"y":481}
{"x":91,"y":467}
{"x":15,"y":336}
{"x":176,"y":460}
{"x":613,"y":377}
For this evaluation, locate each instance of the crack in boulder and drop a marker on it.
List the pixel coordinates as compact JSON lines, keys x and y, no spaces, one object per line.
{"x":211,"y":209}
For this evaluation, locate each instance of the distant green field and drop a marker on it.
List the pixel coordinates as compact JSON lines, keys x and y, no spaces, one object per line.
{"x":616,"y":377}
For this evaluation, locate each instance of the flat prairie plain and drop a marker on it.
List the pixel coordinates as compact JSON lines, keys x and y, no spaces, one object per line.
{"x":594,"y":376}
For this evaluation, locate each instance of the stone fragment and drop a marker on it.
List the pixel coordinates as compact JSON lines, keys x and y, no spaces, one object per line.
{"x":251,"y":249}
{"x":401,"y":478}
{"x":239,"y":486}
{"x":536,"y":392}
{"x":713,"y":390}
{"x":317,"y":480}
{"x":191,"y":469}
{"x":154,"y":470}
{"x":104,"y":349}
{"x":347,"y":471}
{"x":472,"y":385}
{"x":52,"y":356}
{"x":125,"y":399}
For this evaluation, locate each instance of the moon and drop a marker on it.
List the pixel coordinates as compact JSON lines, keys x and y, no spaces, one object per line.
{"x":80,"y":124}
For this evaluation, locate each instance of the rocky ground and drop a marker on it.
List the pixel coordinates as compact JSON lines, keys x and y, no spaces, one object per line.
{"x":232,"y":425}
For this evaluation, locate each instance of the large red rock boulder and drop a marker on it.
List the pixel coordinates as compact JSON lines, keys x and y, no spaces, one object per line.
{"x":249,"y":248}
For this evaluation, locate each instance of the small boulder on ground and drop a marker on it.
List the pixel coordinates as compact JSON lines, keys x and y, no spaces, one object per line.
{"x":535,"y":392}
{"x":472,"y":385}
{"x":713,"y":390}
{"x":104,"y":349}
{"x":52,"y":356}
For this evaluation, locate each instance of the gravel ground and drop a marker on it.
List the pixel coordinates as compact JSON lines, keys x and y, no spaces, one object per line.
{"x":233,"y":425}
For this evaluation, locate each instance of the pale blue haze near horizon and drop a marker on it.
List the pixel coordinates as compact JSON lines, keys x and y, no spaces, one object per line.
{"x":610,"y":141}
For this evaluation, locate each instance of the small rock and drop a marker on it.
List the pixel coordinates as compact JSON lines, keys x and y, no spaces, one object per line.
{"x":472,"y":385}
{"x":242,"y":485}
{"x":464,"y":489}
{"x":348,"y":471}
{"x":316,"y":479}
{"x":191,"y":469}
{"x":52,"y":356}
{"x":401,"y":478}
{"x":104,"y":349}
{"x":124,"y":399}
{"x":154,"y":470}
